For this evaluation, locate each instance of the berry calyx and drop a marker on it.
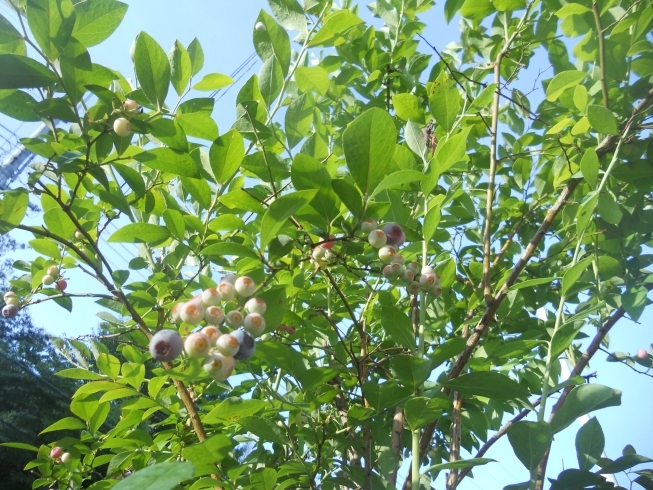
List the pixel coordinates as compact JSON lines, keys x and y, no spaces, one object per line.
{"x":256,"y":305}
{"x":227,"y":291}
{"x":436,"y":290}
{"x":377,"y":238}
{"x":122,"y":127}
{"x":247,"y":345}
{"x":211,"y":297}
{"x":9,"y":311}
{"x":642,"y":354}
{"x":214,"y":315}
{"x":227,"y":345}
{"x":219,"y":367}
{"x":245,"y":286}
{"x":197,"y":345}
{"x":61,"y":285}
{"x":212,"y":333}
{"x":408,"y":275}
{"x":254,"y":323}
{"x":192,"y":312}
{"x":395,"y":234}
{"x":234,"y":319}
{"x":166,"y":345}
{"x":427,"y":280}
{"x":47,"y":280}
{"x":387,"y":253}
{"x":56,"y":452}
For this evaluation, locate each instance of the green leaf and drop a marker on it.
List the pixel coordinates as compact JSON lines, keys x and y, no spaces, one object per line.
{"x":451,"y":152}
{"x":411,"y":371}
{"x":573,"y":274}
{"x":272,"y":42}
{"x":79,"y":373}
{"x":530,"y":441}
{"x":76,"y":70}
{"x":349,"y":195}
{"x":175,"y":223}
{"x":279,"y":211}
{"x":369,"y":143}
{"x":96,"y":20}
{"x":230,"y":249}
{"x":624,"y":463}
{"x":162,"y":476}
{"x":59,"y":223}
{"x":334,"y":26}
{"x":571,"y":9}
{"x":488,"y":384}
{"x":11,"y":41}
{"x":460,"y":464}
{"x":199,"y":190}
{"x":20,"y":445}
{"x":313,"y":77}
{"x":51,"y":23}
{"x":398,"y":179}
{"x":608,"y":208}
{"x":213,"y":81}
{"x":562,"y":81}
{"x":168,"y":160}
{"x":419,"y":411}
{"x":47,"y":247}
{"x":586,"y":211}
{"x":476,"y":9}
{"x":198,"y":124}
{"x":532,"y":282}
{"x":289,"y":14}
{"x":140,"y":233}
{"x":590,"y":443}
{"x":445,"y":101}
{"x":509,"y":5}
{"x":13,"y":207}
{"x":196,"y":55}
{"x":397,"y":324}
{"x":431,"y":222}
{"x":299,"y":117}
{"x":270,"y":81}
{"x":580,"y":93}
{"x":212,"y":450}
{"x":232,"y":409}
{"x":589,"y":166}
{"x":484,"y":98}
{"x":18,"y":105}
{"x":576,"y":479}
{"x":582,"y":400}
{"x":602,"y":119}
{"x":448,"y":350}
{"x":18,"y":71}
{"x":152,"y":69}
{"x":264,"y":428}
{"x":67,"y":423}
{"x":408,"y":107}
{"x":226,"y":155}
{"x":415,"y":138}
{"x":308,"y":173}
{"x":634,"y":301}
{"x":180,"y":67}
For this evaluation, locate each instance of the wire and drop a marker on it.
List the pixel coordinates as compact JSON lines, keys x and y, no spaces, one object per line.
{"x":250,"y":58}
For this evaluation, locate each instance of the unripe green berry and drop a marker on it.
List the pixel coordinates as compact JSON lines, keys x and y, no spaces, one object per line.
{"x":435,"y":290}
{"x":219,"y":367}
{"x":197,"y":345}
{"x":214,"y":315}
{"x":230,"y":278}
{"x":377,"y":238}
{"x":211,"y":297}
{"x":413,"y":288}
{"x":245,"y":286}
{"x":256,"y":305}
{"x":79,"y":235}
{"x":9,"y":294}
{"x":211,"y":332}
{"x":131,"y":107}
{"x":47,"y":280}
{"x":66,"y":457}
{"x":175,"y":313}
{"x":192,"y":312}
{"x":12,"y":300}
{"x":227,"y":345}
{"x":53,"y":271}
{"x":227,"y":291}
{"x":408,"y":275}
{"x":122,"y":127}
{"x":254,"y":323}
{"x":369,"y":225}
{"x":387,"y":253}
{"x":260,"y":26}
{"x":234,"y":319}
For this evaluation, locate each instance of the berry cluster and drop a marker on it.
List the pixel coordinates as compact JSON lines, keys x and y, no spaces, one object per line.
{"x":388,"y":240}
{"x":121,"y":126}
{"x":219,"y":350}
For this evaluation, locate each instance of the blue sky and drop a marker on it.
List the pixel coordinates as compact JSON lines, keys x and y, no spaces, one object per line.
{"x":224,"y":28}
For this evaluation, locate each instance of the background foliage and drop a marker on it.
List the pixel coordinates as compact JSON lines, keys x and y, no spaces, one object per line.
{"x":521,"y":205}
